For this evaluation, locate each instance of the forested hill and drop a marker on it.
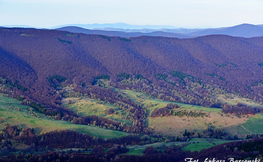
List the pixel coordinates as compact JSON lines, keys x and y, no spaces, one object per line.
{"x":30,"y":56}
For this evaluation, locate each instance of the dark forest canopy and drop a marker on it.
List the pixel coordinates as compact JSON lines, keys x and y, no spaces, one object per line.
{"x":43,"y":60}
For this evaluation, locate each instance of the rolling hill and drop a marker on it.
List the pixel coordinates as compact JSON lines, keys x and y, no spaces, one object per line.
{"x":243,"y":30}
{"x":98,"y":90}
{"x":30,"y":56}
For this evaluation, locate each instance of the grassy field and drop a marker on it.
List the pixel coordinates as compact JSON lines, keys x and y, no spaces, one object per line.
{"x":11,"y":112}
{"x":151,"y":103}
{"x":195,"y":144}
{"x":86,"y":106}
{"x":174,"y":125}
{"x":144,"y":100}
{"x":198,"y":146}
{"x":254,"y":125}
{"x":233,"y":100}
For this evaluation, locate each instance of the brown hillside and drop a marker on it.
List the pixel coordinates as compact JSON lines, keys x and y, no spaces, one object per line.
{"x":31,"y":56}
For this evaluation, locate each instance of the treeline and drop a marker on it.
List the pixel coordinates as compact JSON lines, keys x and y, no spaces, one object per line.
{"x":240,"y":109}
{"x":235,"y":150}
{"x":54,"y":111}
{"x":62,"y":138}
{"x":46,"y":104}
{"x":170,"y":109}
{"x":42,"y":109}
{"x":137,"y":114}
{"x":56,"y":80}
{"x":165,"y":111}
{"x":188,"y":113}
{"x":170,"y":89}
{"x":9,"y":84}
{"x":137,"y":127}
{"x":111,"y":149}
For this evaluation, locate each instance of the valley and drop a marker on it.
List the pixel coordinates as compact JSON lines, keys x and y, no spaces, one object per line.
{"x":95,"y":96}
{"x":13,"y":113}
{"x":177,"y":122}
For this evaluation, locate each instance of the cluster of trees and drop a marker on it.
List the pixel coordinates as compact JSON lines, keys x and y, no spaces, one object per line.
{"x":192,"y":91}
{"x":165,"y":111}
{"x":137,"y":127}
{"x":115,"y":147}
{"x":62,"y":138}
{"x":255,"y":145}
{"x":167,"y":153}
{"x":209,"y":132}
{"x":170,"y":109}
{"x":217,"y":133}
{"x":56,"y":80}
{"x":11,"y":85}
{"x":240,"y":109}
{"x":137,"y":114}
{"x":170,"y":153}
{"x":188,"y":113}
{"x":161,"y":112}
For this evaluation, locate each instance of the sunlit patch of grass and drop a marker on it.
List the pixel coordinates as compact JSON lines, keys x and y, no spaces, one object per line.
{"x":86,"y":106}
{"x":198,"y":146}
{"x":254,"y":125}
{"x":151,"y":103}
{"x":134,"y":152}
{"x":11,"y":112}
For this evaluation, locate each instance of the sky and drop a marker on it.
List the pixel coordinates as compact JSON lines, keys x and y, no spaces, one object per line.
{"x":177,"y":13}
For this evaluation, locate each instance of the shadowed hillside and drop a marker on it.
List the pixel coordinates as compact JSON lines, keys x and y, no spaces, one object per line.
{"x":32,"y":56}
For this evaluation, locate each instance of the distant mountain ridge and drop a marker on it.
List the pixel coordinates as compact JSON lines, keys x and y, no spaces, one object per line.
{"x":127,"y":30}
{"x":75,"y":29}
{"x":243,"y":30}
{"x":119,"y":26}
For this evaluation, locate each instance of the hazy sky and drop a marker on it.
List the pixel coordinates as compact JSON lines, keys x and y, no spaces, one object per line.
{"x":178,"y":13}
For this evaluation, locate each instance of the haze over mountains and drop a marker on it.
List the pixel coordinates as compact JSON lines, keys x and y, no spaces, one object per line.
{"x":127,"y":30}
{"x":119,"y":26}
{"x":107,"y":32}
{"x":243,"y":30}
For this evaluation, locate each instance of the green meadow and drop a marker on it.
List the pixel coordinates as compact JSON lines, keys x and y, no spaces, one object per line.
{"x":151,"y":103}
{"x":85,"y":106}
{"x":169,"y":125}
{"x":254,"y":125}
{"x":11,"y":112}
{"x":202,"y":144}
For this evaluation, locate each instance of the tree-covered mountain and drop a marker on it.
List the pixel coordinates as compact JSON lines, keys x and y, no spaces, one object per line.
{"x":159,"y":89}
{"x":30,"y":56}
